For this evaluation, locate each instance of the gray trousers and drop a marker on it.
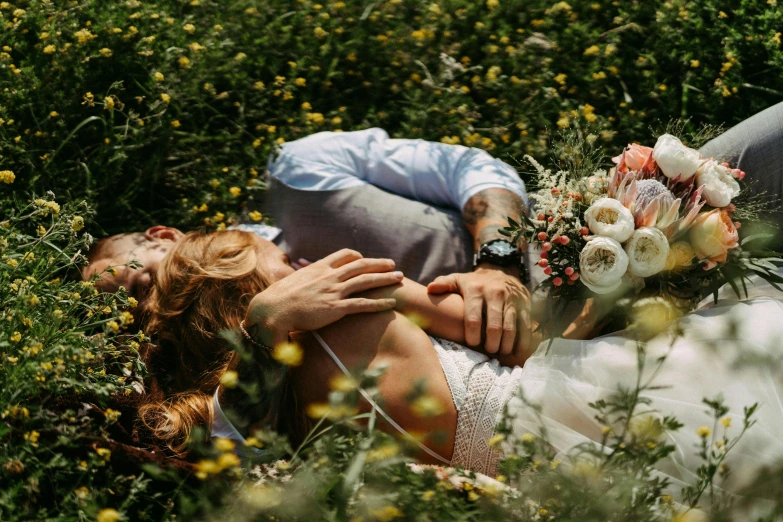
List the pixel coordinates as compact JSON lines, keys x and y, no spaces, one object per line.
{"x":756,"y":147}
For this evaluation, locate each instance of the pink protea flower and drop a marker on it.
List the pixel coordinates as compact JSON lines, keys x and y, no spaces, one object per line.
{"x":654,"y":204}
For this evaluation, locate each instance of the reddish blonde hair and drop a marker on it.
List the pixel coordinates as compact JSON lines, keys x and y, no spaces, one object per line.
{"x":203,"y":287}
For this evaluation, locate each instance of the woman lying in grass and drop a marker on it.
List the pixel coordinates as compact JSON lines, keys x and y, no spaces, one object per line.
{"x":235,"y":280}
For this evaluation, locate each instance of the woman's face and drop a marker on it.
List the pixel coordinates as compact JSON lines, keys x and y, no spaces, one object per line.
{"x":275,"y":260}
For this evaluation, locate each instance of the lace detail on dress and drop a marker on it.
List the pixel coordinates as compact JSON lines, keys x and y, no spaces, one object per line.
{"x":481,"y":388}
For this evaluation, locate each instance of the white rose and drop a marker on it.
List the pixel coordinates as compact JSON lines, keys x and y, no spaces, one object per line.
{"x":719,"y":185}
{"x":647,"y":251}
{"x":675,"y":159}
{"x":602,"y":264}
{"x":608,"y":217}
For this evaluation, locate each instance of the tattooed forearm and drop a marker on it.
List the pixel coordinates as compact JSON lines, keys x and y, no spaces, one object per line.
{"x":489,"y":210}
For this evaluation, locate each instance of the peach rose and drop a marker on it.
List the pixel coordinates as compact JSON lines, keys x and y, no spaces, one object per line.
{"x":712,"y":234}
{"x":636,"y":158}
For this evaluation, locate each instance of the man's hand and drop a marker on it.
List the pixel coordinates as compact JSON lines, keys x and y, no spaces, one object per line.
{"x":492,"y":292}
{"x":319,"y":294}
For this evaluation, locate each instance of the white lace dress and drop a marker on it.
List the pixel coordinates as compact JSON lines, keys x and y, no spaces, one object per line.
{"x":733,"y":348}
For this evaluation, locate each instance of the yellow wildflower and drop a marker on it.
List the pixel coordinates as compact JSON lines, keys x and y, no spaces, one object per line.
{"x":159,"y":76}
{"x":320,"y":33}
{"x":175,"y":124}
{"x":254,"y":442}
{"x":32,"y":437}
{"x":235,"y":191}
{"x":165,"y":97}
{"x":387,"y":513}
{"x":49,"y":49}
{"x":240,"y":56}
{"x":427,"y":406}
{"x":289,"y":354}
{"x":228,"y":460}
{"x":189,"y":28}
{"x":77,"y":223}
{"x":229,"y":379}
{"x":726,"y":422}
{"x":16,"y":337}
{"x":496,"y":439}
{"x":7,"y":176}
{"x":300,"y":82}
{"x":84,"y":35}
{"x":103,"y":452}
{"x":343,"y":383}
{"x":108,"y":515}
{"x":255,"y":215}
{"x":106,"y":52}
{"x":223,"y":444}
{"x":114,"y":326}
{"x":695,"y":63}
{"x":593,"y":49}
{"x":704,"y":432}
{"x":492,"y":4}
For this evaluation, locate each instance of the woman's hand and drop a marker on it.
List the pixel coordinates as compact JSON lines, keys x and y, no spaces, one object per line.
{"x":319,"y":294}
{"x":587,"y":323}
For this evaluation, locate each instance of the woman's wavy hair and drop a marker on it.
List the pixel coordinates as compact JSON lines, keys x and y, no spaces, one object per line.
{"x":203,"y":287}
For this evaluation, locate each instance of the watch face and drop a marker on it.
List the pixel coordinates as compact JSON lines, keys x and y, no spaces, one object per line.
{"x":501,"y":248}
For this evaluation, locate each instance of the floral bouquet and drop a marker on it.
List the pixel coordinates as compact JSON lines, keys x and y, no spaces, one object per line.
{"x":662,"y":224}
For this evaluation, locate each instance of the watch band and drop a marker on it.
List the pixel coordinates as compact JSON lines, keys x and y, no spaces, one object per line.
{"x":513,"y":258}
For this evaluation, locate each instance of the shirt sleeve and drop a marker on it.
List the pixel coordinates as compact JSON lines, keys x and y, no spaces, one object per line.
{"x":444,"y":175}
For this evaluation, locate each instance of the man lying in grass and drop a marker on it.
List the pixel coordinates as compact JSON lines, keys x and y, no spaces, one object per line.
{"x":428,"y":206}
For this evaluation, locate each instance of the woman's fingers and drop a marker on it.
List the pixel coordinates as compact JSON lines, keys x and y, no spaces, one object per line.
{"x":359,"y":305}
{"x":509,"y":329}
{"x":364,"y":282}
{"x":364,"y":266}
{"x":340,"y":258}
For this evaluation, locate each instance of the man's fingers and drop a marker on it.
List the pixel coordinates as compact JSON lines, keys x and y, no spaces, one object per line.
{"x":364,"y":266}
{"x":473,"y":310}
{"x":494,"y":326}
{"x":524,"y":336}
{"x":340,"y":258}
{"x":369,"y":281}
{"x":360,"y":305}
{"x":443,"y":284}
{"x":509,"y":329}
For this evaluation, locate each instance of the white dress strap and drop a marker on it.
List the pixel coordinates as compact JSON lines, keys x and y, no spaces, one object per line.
{"x":221,"y":426}
{"x":382,"y":413}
